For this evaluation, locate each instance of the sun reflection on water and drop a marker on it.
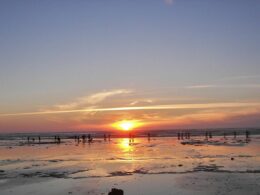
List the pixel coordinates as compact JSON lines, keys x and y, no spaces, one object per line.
{"x":125,"y":144}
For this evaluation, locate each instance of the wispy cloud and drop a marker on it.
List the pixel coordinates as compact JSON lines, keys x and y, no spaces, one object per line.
{"x":153,"y":107}
{"x":200,"y":86}
{"x":137,"y":102}
{"x":92,"y":99}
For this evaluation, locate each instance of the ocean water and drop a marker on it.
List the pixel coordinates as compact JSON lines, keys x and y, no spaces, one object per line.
{"x":23,"y":162}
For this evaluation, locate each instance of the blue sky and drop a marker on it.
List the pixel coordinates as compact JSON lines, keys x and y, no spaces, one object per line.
{"x":53,"y":52}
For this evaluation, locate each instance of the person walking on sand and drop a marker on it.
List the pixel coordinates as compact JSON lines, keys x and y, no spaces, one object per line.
{"x":206,"y":135}
{"x":39,"y":138}
{"x":90,"y":139}
{"x":247,"y":134}
{"x":210,"y":135}
{"x":58,"y":139}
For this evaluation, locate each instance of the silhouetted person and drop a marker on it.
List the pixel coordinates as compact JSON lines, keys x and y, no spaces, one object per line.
{"x":235,"y":134}
{"x":33,"y":139}
{"x":247,"y":134}
{"x":130,"y":137}
{"x":84,"y":138}
{"x":105,"y":137}
{"x":210,"y":135}
{"x":28,"y":139}
{"x":179,"y":136}
{"x":109,"y":137}
{"x":149,"y":136}
{"x":58,"y":139}
{"x":206,"y":135}
{"x":90,"y":139}
{"x":224,"y":135}
{"x":39,"y":138}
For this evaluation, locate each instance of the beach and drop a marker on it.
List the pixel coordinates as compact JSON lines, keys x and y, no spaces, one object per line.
{"x":159,"y":165}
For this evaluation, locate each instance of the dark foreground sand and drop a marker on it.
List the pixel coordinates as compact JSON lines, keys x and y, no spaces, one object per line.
{"x":188,"y":183}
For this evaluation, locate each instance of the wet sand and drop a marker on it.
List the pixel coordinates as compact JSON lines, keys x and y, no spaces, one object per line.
{"x":159,"y":166}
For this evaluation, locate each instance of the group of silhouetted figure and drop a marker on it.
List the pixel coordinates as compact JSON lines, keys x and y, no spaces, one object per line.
{"x":247,"y":133}
{"x":209,"y":135}
{"x":183,"y":135}
{"x":131,"y":137}
{"x":33,"y":140}
{"x":83,"y":138}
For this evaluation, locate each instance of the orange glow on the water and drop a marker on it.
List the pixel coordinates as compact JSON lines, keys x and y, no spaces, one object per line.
{"x":126,"y":125}
{"x":124,"y":143}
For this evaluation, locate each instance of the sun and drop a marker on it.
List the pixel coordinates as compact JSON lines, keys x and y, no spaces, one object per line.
{"x":126,"y":125}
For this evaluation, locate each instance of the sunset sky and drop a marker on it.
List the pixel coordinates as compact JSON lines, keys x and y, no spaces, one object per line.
{"x":164,"y":64}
